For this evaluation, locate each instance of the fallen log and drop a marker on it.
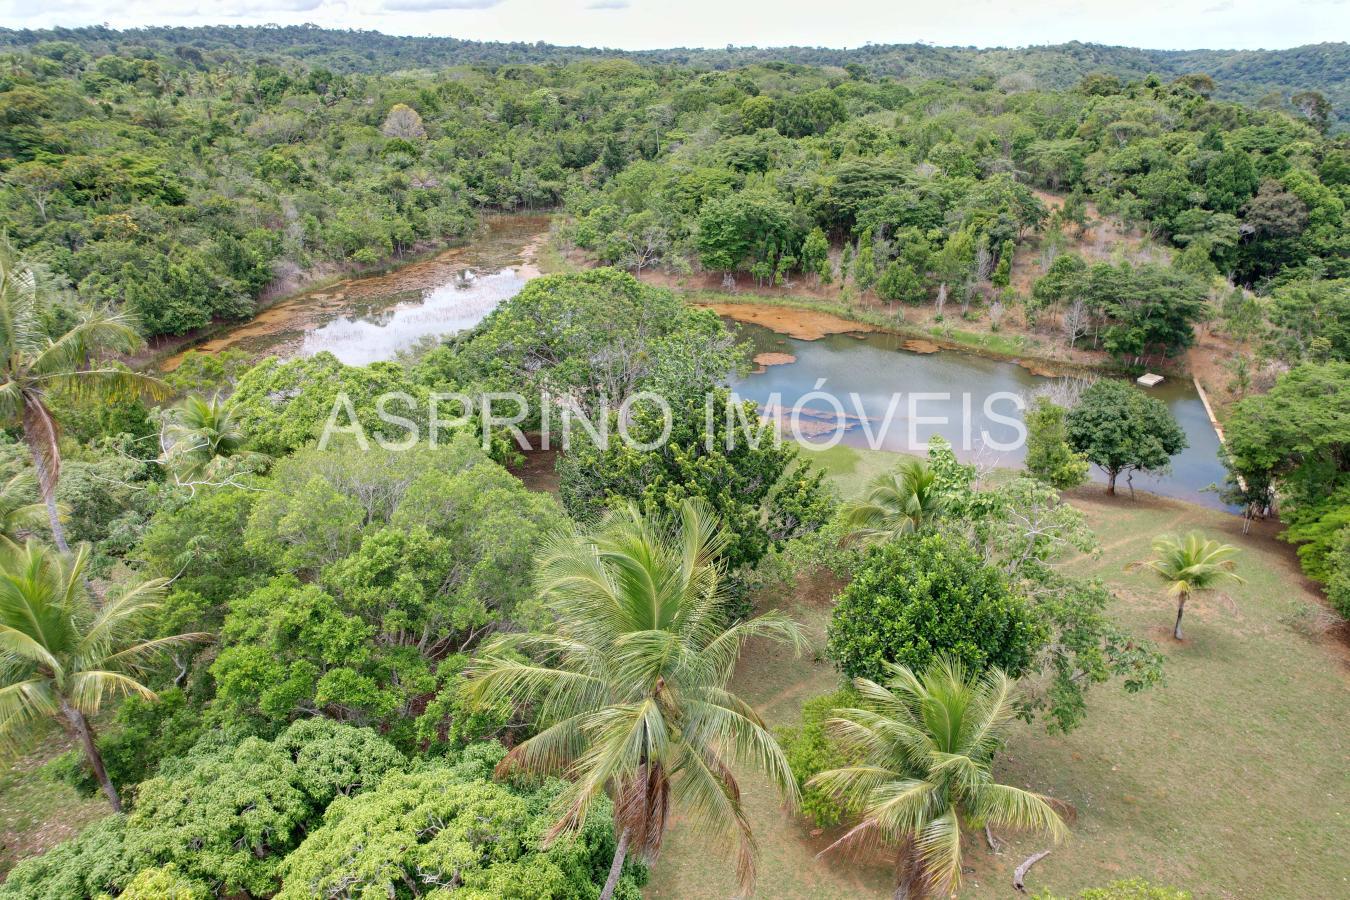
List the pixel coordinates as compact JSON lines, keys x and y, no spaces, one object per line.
{"x":1020,"y":873}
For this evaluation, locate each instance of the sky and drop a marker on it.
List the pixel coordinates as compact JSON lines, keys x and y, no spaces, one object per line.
{"x":648,"y":24}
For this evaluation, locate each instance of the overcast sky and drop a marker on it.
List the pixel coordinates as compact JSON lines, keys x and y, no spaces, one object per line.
{"x":645,"y":24}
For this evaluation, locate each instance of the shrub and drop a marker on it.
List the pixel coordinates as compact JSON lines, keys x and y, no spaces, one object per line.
{"x":93,"y":863}
{"x":451,"y":825}
{"x":924,"y":595}
{"x":810,"y":750}
{"x":1049,"y":456}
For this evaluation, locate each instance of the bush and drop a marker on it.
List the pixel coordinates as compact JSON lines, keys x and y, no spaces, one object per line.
{"x":924,"y":595}
{"x":81,"y":868}
{"x":164,"y":883}
{"x":809,"y":751}
{"x":1128,"y":889}
{"x":229,"y":815}
{"x":1049,"y":456}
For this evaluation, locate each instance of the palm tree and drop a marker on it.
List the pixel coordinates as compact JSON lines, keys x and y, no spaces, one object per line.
{"x":34,"y":364}
{"x":1190,"y":565}
{"x":61,"y":655}
{"x":924,"y":746}
{"x":201,"y":437}
{"x":18,"y":514}
{"x":630,"y":687}
{"x":896,"y":503}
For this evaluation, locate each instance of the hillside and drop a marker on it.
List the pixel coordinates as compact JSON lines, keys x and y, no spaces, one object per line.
{"x":1246,"y":75}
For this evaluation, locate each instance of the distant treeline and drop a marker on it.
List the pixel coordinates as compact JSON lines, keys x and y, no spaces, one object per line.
{"x":1269,"y":76}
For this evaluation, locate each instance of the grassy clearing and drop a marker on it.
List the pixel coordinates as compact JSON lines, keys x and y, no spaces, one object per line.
{"x":35,"y":812}
{"x":1231,"y":780}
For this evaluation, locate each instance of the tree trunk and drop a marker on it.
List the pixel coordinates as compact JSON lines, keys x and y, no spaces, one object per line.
{"x":1181,"y":608}
{"x":908,"y":883}
{"x":80,"y":726}
{"x":620,"y":852}
{"x":33,"y":420}
{"x":1111,"y":484}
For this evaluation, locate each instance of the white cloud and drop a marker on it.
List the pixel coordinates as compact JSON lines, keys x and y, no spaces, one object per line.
{"x":438,"y":5}
{"x":1165,"y":24}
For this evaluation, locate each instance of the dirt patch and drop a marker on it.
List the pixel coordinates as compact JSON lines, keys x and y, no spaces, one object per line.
{"x":537,"y":472}
{"x":802,"y":324}
{"x":919,"y":345}
{"x":774,"y":359}
{"x":1037,"y":367}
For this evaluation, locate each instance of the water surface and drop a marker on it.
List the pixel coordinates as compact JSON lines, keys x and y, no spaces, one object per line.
{"x":362,"y":320}
{"x":876,"y":366}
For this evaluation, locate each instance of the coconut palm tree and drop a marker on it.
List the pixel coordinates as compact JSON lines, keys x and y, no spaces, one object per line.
{"x":629,"y":688}
{"x":62,"y":655}
{"x":924,"y":746}
{"x":19,"y":515}
{"x":36,"y":362}
{"x":202,"y":437}
{"x":896,"y":503}
{"x":1190,"y":565}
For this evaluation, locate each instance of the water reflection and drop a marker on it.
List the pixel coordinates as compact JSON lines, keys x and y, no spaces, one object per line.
{"x":367,"y":336}
{"x":865,"y":371}
{"x":362,"y":320}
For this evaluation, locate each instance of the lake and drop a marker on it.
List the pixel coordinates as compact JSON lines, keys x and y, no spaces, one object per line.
{"x":362,"y":320}
{"x":876,"y":366}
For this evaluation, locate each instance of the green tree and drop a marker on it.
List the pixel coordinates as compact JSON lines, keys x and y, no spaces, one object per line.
{"x":758,"y":487}
{"x":37,"y":361}
{"x":448,"y":825}
{"x":629,"y":688}
{"x":864,"y":262}
{"x":926,"y":744}
{"x":924,"y":595}
{"x":595,"y":336}
{"x":228,"y":814}
{"x":815,"y":256}
{"x":1120,"y":429}
{"x":1191,"y":565}
{"x":895,"y":503}
{"x":900,"y":282}
{"x":202,"y":440}
{"x":1049,"y":456}
{"x":63,"y":654}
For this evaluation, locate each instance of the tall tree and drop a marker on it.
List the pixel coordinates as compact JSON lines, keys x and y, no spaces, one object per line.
{"x":630,"y":686}
{"x":925,"y":746}
{"x":62,"y":655}
{"x":1191,"y":565}
{"x":37,"y":360}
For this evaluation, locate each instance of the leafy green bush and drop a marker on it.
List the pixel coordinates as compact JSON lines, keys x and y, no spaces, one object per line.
{"x":164,"y":883}
{"x":926,"y":594}
{"x":229,"y":815}
{"x":143,"y":733}
{"x":809,"y":751}
{"x":1049,"y":456}
{"x":89,"y":865}
{"x":1126,"y":889}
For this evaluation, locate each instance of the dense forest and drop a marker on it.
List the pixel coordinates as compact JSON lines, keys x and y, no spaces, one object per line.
{"x":1268,"y":76}
{"x":297,"y":672}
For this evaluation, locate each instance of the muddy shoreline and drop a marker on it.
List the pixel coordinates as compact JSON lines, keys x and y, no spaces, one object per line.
{"x":423,"y":267}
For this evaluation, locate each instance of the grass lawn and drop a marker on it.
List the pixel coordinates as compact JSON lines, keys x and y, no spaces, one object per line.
{"x":1231,"y":780}
{"x":35,"y":812}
